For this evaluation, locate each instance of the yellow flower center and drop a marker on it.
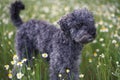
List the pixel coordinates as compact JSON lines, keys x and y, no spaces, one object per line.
{"x":44,"y":55}
{"x":10,"y":75}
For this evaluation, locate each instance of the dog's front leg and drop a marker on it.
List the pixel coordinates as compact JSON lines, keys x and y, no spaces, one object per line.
{"x":62,"y":66}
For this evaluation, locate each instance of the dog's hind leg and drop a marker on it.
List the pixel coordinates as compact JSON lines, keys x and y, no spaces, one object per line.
{"x":24,"y":50}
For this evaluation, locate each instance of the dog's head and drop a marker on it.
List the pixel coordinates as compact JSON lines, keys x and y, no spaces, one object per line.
{"x":79,"y":25}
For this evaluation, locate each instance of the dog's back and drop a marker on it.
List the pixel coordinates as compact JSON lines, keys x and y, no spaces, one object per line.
{"x":40,"y":33}
{"x":36,"y":31}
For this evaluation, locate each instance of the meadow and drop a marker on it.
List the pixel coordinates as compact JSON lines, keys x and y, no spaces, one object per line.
{"x":100,"y":59}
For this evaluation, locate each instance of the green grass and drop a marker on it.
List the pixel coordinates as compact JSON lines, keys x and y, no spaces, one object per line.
{"x":100,"y":59}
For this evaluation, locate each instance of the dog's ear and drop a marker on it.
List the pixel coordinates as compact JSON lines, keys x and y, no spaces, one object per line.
{"x":66,"y":22}
{"x":63,"y":24}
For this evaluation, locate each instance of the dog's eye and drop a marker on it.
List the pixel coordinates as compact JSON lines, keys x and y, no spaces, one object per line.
{"x":81,"y":24}
{"x":78,"y":26}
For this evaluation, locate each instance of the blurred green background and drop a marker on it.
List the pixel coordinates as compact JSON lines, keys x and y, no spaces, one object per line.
{"x":100,"y":59}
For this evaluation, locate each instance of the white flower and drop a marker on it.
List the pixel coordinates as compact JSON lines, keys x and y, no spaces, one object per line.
{"x":98,"y":64}
{"x":67,"y":70}
{"x":81,"y":75}
{"x":60,"y":75}
{"x":115,"y":35}
{"x":104,"y":29}
{"x":103,"y":45}
{"x":117,"y":62}
{"x":102,"y":55}
{"x":10,"y":34}
{"x":55,"y":23}
{"x":101,"y":40}
{"x":9,"y":42}
{"x":101,"y":22}
{"x":95,"y":41}
{"x":1,"y":45}
{"x":97,"y":50}
{"x":33,"y":73}
{"x":114,"y":41}
{"x":24,"y":60}
{"x":15,"y":57}
{"x":110,"y":26}
{"x":5,"y":20}
{"x":96,"y":24}
{"x":112,"y":15}
{"x":28,"y":68}
{"x":44,"y":55}
{"x":19,"y":75}
{"x":20,"y":64}
{"x":11,"y":50}
{"x":6,"y":67}
{"x":13,"y":62}
{"x":66,"y":8}
{"x":90,"y":60}
{"x":33,"y":57}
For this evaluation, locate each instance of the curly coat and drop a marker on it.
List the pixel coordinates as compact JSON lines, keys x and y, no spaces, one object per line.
{"x":63,"y":45}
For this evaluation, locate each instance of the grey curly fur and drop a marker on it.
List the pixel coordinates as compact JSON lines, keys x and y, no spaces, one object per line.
{"x":63,"y":45}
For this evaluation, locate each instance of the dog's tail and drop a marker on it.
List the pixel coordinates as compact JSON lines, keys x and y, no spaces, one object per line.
{"x":15,"y":9}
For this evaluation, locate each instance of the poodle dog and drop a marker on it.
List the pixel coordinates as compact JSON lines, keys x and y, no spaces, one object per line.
{"x":63,"y":45}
